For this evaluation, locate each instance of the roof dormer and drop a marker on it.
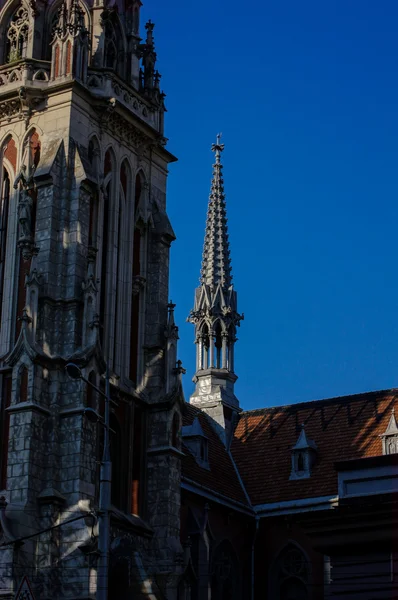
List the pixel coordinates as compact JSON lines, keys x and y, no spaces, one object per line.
{"x":303,"y":457}
{"x":390,"y":436}
{"x":196,"y":442}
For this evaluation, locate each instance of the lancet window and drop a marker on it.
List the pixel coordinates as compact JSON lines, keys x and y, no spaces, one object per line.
{"x":106,"y":239}
{"x":136,"y":284}
{"x":290,"y":575}
{"x":17,"y":35}
{"x":224,"y":573}
{"x":111,"y":40}
{"x":121,"y":261}
{"x":4,"y":210}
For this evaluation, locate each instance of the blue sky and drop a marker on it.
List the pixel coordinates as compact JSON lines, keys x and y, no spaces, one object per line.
{"x":306,"y":95}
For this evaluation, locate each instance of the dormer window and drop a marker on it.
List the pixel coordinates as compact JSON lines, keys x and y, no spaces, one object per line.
{"x":196,"y":442}
{"x":303,"y":457}
{"x":390,"y":436}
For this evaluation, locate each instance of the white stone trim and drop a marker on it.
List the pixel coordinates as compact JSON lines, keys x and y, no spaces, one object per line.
{"x":296,"y":506}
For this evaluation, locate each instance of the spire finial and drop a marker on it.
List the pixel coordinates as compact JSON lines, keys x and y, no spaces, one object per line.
{"x":218,"y":147}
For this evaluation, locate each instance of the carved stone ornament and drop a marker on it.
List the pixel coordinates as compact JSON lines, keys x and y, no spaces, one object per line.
{"x":138,"y":284}
{"x":25,"y":183}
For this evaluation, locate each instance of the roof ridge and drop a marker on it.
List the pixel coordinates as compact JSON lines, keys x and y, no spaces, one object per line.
{"x":266,"y":409}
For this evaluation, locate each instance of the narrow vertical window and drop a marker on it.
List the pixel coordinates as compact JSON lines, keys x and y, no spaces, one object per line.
{"x":104,"y":260}
{"x":4,"y":427}
{"x":17,"y":35}
{"x":23,"y":385}
{"x":4,"y":209}
{"x":68,"y":58}
{"x":135,"y":302}
{"x":56,"y":61}
{"x":108,"y":163}
{"x":120,"y":262}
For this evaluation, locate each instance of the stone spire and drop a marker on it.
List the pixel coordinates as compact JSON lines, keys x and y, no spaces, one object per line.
{"x":216,"y":263}
{"x":215,"y":313}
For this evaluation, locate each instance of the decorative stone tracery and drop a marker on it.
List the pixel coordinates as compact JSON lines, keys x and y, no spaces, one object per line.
{"x":17,"y":35}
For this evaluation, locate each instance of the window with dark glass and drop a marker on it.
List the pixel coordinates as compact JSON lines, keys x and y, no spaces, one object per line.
{"x":135,"y":301}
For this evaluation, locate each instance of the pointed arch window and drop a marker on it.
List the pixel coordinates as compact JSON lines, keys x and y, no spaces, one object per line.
{"x":4,"y":210}
{"x":135,"y":301}
{"x":17,"y":35}
{"x":225,"y":580}
{"x":290,"y":576}
{"x":106,"y":239}
{"x":110,"y":46}
{"x":218,"y":345}
{"x":120,"y":260}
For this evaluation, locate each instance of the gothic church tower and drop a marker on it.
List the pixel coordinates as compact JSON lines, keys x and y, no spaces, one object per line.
{"x":215,"y":313}
{"x":84,"y":268}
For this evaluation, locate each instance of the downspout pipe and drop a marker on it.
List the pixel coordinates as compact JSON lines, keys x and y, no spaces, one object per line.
{"x":253,"y":547}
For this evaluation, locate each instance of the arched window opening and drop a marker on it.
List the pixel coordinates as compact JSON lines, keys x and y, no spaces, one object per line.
{"x":104,"y":260}
{"x":23,"y":385}
{"x":4,"y":210}
{"x":218,"y":345}
{"x":225,"y":580}
{"x":5,"y":402}
{"x":230,"y":348}
{"x":106,"y":221}
{"x":121,"y":256}
{"x":290,"y":575}
{"x":17,"y":35}
{"x":175,"y":435}
{"x":135,"y":301}
{"x":110,"y":49}
{"x":34,"y":148}
{"x":204,"y":341}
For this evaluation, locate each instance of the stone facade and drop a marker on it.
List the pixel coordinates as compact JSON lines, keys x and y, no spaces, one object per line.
{"x":84,"y":270}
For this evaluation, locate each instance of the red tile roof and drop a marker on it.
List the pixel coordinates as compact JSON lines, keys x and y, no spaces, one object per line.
{"x":222,"y":477}
{"x":342,"y":428}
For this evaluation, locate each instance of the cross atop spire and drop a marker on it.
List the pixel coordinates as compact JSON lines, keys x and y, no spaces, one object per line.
{"x":216,"y":262}
{"x":218,"y":148}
